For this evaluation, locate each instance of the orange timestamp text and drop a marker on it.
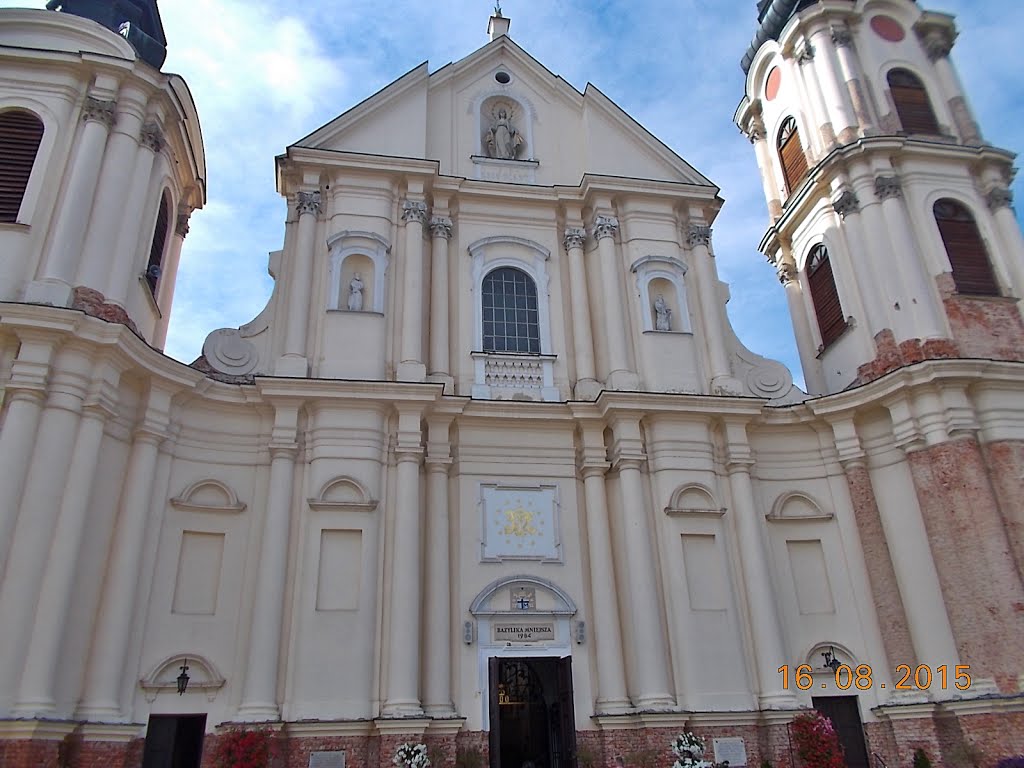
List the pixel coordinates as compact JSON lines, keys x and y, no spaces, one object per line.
{"x":919,"y":678}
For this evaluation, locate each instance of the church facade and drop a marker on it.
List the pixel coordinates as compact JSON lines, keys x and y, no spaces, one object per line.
{"x":491,"y":471}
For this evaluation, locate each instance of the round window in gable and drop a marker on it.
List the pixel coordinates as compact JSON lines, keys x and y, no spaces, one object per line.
{"x":503,"y":77}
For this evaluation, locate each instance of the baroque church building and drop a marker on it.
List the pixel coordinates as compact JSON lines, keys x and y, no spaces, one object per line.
{"x":491,"y":472}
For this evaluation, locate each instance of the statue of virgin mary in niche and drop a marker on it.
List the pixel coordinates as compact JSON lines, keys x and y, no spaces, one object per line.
{"x":503,"y":140}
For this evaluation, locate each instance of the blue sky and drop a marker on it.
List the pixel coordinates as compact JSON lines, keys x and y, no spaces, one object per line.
{"x":265,"y":73}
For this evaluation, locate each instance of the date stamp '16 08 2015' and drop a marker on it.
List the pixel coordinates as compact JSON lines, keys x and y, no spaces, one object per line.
{"x":919,"y":678}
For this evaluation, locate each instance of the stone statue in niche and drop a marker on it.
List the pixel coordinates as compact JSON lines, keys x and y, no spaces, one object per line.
{"x":662,"y":314}
{"x":355,"y":293}
{"x":503,"y":139}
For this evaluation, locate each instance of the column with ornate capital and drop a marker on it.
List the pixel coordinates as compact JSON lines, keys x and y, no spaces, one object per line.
{"x":293,"y":362}
{"x":787,"y":273}
{"x":938,"y":43}
{"x":921,"y":298}
{"x":403,"y":674}
{"x":837,"y":99}
{"x":112,"y":191}
{"x":56,"y":272}
{"x":1000,"y":202}
{"x":260,"y":695}
{"x":411,"y":366}
{"x":36,"y":694}
{"x":587,"y":387}
{"x":847,"y":206}
{"x":824,"y":136}
{"x":712,"y":311}
{"x":850,"y":69}
{"x":126,"y":268}
{"x":33,"y":534}
{"x":24,"y":394}
{"x":169,"y":276}
{"x":105,"y":671}
{"x":437,"y":610}
{"x":440,"y":368}
{"x":650,"y":688}
{"x":756,"y":132}
{"x":620,"y":376}
{"x":766,"y":628}
{"x":612,"y":695}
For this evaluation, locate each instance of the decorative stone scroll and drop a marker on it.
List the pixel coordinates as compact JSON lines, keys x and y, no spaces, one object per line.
{"x":228,"y":352}
{"x":441,"y":226}
{"x":575,"y":237}
{"x":152,"y":137}
{"x":999,"y":197}
{"x":698,"y":234}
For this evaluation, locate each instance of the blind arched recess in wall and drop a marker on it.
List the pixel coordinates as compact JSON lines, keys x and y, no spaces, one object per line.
{"x":972,"y":270}
{"x":825,"y":295}
{"x":910,"y":98}
{"x":791,"y":154}
{"x":154,"y":268}
{"x":20,"y":135}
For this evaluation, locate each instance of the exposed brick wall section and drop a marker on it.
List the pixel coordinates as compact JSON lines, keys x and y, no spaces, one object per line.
{"x":881,"y":741}
{"x":983,"y":592}
{"x":109,"y":754}
{"x":885,"y":593}
{"x":29,"y":754}
{"x":95,"y":304}
{"x":441,"y":749}
{"x":995,"y":736}
{"x":889,"y":355}
{"x":913,"y":734}
{"x":1006,"y":469}
{"x":983,"y":327}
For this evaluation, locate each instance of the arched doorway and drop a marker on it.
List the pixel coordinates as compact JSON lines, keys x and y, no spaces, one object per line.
{"x":533,"y":724}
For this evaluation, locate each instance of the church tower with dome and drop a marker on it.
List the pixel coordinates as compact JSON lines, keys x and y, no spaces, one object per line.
{"x":491,"y":478}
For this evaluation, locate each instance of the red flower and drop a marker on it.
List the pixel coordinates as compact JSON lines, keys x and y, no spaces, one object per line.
{"x":244,"y":749}
{"x":817,"y":745}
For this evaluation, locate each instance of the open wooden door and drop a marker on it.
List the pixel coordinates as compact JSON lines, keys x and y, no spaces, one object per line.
{"x":565,"y":757}
{"x":494,"y":711}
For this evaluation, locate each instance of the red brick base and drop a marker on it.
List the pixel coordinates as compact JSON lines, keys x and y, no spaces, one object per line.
{"x":949,"y":738}
{"x":95,"y":304}
{"x":889,"y":355}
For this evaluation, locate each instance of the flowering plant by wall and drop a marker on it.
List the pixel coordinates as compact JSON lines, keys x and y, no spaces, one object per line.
{"x":244,"y":749}
{"x":411,"y":756}
{"x":816,"y":741}
{"x":689,"y":751}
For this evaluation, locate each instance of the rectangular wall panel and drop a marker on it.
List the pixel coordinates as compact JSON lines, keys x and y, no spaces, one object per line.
{"x":810,"y":577}
{"x":705,"y":573}
{"x":340,"y":569}
{"x":199,"y":568}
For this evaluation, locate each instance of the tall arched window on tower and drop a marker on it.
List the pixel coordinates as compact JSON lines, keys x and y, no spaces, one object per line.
{"x":972,"y":270}
{"x":511,"y":321}
{"x":911,"y":101}
{"x":791,"y":154}
{"x":156,"y":251}
{"x":824,"y":295}
{"x":20,"y":135}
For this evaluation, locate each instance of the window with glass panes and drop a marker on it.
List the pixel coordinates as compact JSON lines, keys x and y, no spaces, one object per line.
{"x":510,"y":316}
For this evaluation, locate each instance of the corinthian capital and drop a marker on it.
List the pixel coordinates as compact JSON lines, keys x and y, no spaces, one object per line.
{"x":308,"y":202}
{"x":99,"y":110}
{"x":999,"y":197}
{"x":887,"y":187}
{"x":786,"y":271}
{"x":414,"y":210}
{"x":938,"y":43}
{"x":605,"y":226}
{"x":846,"y":204}
{"x":698,"y":234}
{"x":805,"y":54}
{"x":575,"y":237}
{"x":841,"y":35}
{"x":755,"y":130}
{"x":152,"y":137}
{"x":441,"y":226}
{"x":181,"y":226}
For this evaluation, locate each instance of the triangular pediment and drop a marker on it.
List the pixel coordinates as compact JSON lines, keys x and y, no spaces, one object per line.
{"x":550,"y":133}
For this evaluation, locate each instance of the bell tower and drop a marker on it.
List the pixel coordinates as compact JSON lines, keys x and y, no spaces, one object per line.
{"x":891,"y":221}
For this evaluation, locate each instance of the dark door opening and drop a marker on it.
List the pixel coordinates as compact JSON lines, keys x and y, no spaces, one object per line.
{"x":174,"y":741}
{"x":845,"y":716}
{"x":533,"y":724}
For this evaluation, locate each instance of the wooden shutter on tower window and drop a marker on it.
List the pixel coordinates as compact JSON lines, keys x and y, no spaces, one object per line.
{"x":825,"y":296}
{"x":972,"y":270}
{"x":912,"y":104}
{"x":20,"y":135}
{"x":791,"y":154}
